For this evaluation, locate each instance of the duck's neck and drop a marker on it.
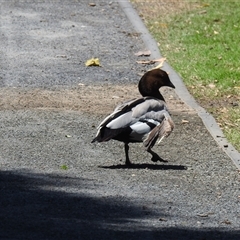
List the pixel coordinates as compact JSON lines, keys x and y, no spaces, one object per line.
{"x":158,"y":95}
{"x":155,"y":94}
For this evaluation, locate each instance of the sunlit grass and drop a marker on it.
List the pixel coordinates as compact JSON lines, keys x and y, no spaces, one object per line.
{"x":200,"y":39}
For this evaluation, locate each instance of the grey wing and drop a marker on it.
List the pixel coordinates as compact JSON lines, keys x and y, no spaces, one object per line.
{"x":118,"y":118}
{"x":124,"y":104}
{"x":148,"y":108}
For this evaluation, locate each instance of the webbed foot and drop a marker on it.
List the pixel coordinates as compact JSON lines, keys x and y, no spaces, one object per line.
{"x":156,"y":157}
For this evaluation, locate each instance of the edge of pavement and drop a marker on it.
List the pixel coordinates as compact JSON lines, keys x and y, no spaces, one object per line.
{"x":181,"y":90}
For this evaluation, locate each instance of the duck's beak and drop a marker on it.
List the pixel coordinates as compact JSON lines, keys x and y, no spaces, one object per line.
{"x":171,"y":85}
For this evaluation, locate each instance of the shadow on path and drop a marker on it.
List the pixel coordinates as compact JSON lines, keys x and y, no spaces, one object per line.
{"x":147,"y":166}
{"x":43,"y":206}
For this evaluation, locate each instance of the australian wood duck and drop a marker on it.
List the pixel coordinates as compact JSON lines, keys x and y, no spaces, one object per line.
{"x":145,"y":119}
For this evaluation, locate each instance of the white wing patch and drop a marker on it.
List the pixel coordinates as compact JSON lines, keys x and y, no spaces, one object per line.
{"x":140,"y":127}
{"x":121,"y":121}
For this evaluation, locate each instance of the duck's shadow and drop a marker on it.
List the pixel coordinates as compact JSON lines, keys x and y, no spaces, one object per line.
{"x":146,"y":166}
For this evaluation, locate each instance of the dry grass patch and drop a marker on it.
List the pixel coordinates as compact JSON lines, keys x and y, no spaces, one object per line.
{"x":93,"y":99}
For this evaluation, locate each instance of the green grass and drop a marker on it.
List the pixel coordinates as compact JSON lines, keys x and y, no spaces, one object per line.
{"x":64,"y":167}
{"x":201,"y":42}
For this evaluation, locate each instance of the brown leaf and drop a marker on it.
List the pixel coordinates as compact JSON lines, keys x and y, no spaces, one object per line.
{"x":145,"y":62}
{"x":61,"y":56}
{"x":226,"y":222}
{"x":163,"y":219}
{"x":143,"y":53}
{"x":205,"y":214}
{"x":161,"y":60}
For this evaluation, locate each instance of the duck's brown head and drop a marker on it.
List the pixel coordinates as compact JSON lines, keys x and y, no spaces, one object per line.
{"x":151,"y":81}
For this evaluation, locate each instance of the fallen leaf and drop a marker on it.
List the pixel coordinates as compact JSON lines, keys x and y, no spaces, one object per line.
{"x":145,"y":62}
{"x":205,"y":214}
{"x":143,"y":53}
{"x":163,"y":219}
{"x":223,"y":110}
{"x":211,"y":85}
{"x":230,"y":124}
{"x":184,"y":121}
{"x":92,"y":62}
{"x":161,"y":61}
{"x":160,"y":65}
{"x":226,"y":222}
{"x":61,"y":56}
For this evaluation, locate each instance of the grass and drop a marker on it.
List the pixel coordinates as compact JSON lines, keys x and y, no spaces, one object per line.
{"x":200,"y":39}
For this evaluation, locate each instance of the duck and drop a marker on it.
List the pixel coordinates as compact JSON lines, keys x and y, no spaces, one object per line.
{"x":145,"y":119}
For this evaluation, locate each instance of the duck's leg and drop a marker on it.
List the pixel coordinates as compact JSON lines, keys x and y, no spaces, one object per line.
{"x":155,"y":156}
{"x":126,"y":148}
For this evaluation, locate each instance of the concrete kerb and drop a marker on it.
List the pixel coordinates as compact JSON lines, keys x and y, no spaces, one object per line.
{"x":181,"y":90}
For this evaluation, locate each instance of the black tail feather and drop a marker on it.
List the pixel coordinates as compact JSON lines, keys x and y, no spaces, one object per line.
{"x":106,"y":134}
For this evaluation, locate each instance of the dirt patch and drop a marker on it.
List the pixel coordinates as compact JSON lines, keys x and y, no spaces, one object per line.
{"x":100,"y":99}
{"x":225,"y":110}
{"x":162,"y":9}
{"x":221,"y":103}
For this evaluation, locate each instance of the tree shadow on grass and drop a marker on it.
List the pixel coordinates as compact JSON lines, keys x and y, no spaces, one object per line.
{"x":46,"y":206}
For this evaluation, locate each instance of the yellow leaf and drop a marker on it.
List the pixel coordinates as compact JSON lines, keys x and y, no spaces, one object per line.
{"x":92,"y":62}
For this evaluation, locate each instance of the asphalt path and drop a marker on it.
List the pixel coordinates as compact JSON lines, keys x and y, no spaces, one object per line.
{"x":55,"y":184}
